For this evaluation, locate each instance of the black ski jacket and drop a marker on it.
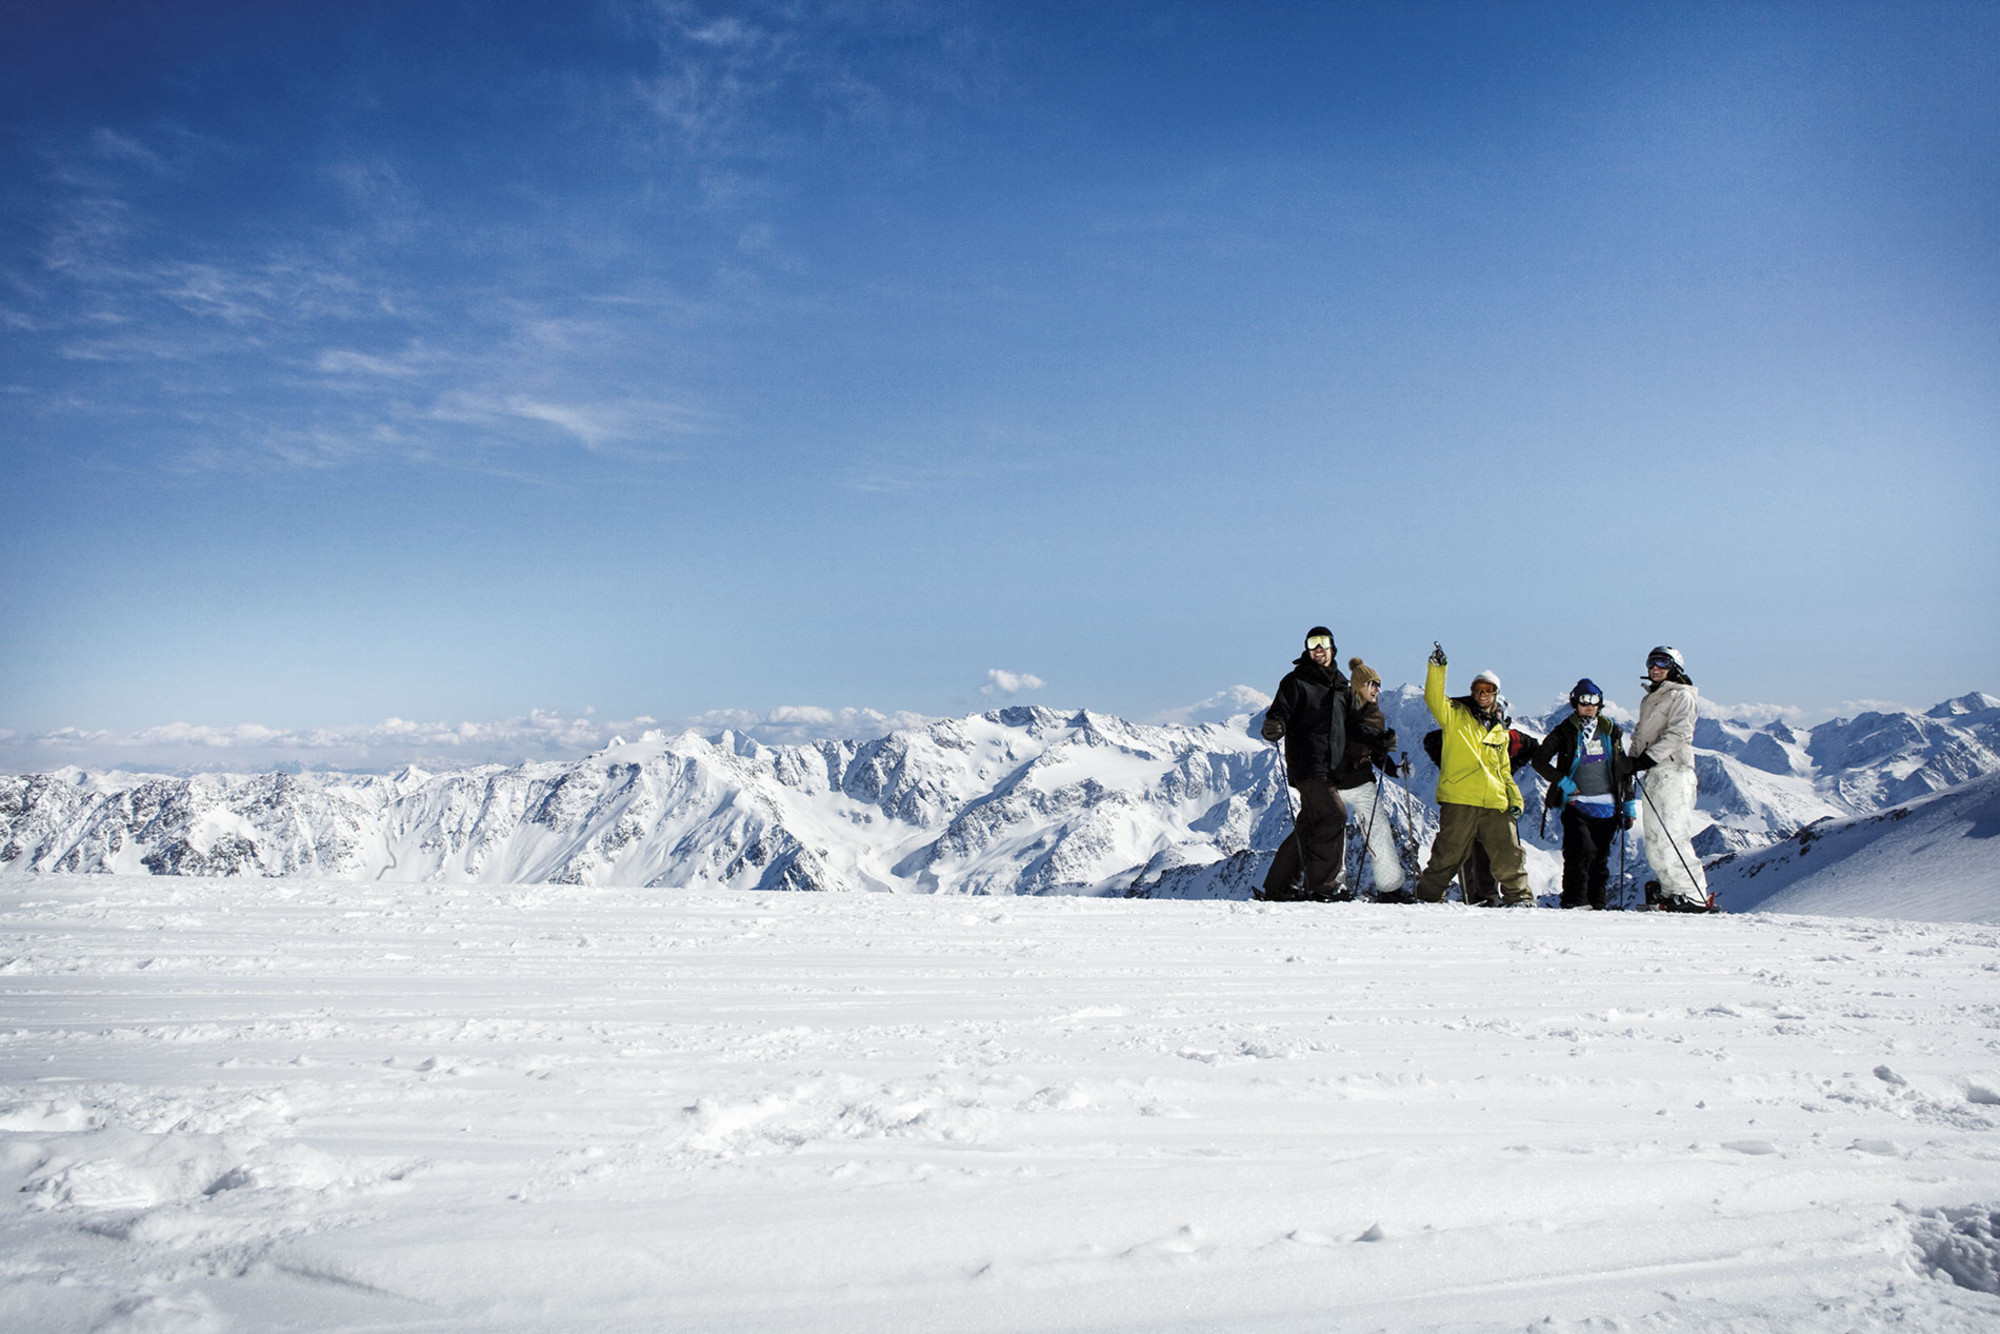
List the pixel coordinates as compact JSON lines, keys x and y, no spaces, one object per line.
{"x":1556,"y":756}
{"x":1369,"y":741}
{"x":1311,"y":711}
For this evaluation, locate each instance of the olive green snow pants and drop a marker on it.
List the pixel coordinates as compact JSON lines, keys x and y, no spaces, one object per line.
{"x":1459,"y":827}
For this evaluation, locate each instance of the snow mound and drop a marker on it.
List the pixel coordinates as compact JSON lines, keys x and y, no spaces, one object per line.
{"x":1964,"y":1244}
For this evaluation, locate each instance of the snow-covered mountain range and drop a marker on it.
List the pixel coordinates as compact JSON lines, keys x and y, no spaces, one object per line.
{"x":1018,"y":801}
{"x":1933,"y":858}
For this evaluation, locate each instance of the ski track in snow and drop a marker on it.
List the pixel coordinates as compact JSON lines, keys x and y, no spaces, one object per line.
{"x":286,"y":1104}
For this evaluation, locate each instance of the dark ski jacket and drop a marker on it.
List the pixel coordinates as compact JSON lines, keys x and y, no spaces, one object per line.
{"x":1555,"y":759}
{"x":1311,"y":711}
{"x":1369,"y":741}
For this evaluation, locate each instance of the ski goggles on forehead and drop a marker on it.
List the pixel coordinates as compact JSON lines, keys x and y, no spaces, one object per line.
{"x":1320,"y":641}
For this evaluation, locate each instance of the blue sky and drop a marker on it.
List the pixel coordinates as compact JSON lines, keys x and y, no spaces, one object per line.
{"x":455,"y":362}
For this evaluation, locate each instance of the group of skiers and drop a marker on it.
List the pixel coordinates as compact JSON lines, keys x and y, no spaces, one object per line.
{"x":1333,"y":738}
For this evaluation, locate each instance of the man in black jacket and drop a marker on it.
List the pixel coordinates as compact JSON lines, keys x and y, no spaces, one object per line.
{"x":1310,"y":715}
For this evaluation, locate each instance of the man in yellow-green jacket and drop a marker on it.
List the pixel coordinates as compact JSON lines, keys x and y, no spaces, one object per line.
{"x":1477,"y":797}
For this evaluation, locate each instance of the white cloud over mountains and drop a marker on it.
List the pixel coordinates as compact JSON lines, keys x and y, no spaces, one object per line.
{"x":802,"y":724}
{"x":1000,"y":682}
{"x":1217,"y":708}
{"x":540,"y":734}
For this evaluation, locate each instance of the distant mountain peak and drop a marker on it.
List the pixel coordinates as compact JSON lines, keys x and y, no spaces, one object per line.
{"x":1976,"y":702}
{"x":1022,"y":799}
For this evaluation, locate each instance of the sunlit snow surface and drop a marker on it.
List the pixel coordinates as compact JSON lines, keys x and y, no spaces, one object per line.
{"x":298,"y":1104}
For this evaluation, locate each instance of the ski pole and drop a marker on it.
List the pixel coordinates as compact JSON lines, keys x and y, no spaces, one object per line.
{"x":1623,"y":885}
{"x":1410,"y":814}
{"x":1407,"y":772}
{"x":1285,"y":773}
{"x":1672,"y":842}
{"x":1368,"y":834}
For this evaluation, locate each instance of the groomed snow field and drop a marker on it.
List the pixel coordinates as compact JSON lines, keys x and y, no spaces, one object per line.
{"x":268,"y":1105}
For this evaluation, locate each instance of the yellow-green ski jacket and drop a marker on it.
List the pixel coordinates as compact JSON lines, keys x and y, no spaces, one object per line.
{"x":1475,"y":770}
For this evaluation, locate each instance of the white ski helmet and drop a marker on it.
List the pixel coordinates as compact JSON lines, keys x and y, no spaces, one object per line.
{"x":1666,"y":655}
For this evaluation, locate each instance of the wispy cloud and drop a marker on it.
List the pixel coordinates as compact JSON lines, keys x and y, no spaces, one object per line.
{"x":114,"y":146}
{"x":730,"y":85}
{"x":328,"y":348}
{"x":348,"y":310}
{"x":344,"y":361}
{"x":945,"y":452}
{"x":593,"y":425}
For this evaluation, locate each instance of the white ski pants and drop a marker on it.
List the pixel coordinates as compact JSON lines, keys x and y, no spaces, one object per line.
{"x":1666,"y":815}
{"x":1362,"y":803}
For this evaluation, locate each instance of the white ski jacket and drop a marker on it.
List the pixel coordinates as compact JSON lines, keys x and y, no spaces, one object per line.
{"x":1665,"y":729}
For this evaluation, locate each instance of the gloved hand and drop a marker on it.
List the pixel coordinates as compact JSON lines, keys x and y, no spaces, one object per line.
{"x":1274,"y":728}
{"x":1624,"y":821}
{"x":1629,"y":813}
{"x":1387,"y":762}
{"x":1641,"y":763}
{"x":1437,"y":653}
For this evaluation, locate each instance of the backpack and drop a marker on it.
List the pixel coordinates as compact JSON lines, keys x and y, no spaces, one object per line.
{"x":1520,"y":747}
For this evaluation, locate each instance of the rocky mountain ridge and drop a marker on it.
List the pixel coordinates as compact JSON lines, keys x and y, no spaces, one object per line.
{"x":1017,"y":801}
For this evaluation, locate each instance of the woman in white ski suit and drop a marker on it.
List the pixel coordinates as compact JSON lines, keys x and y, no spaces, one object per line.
{"x":1663,"y":744}
{"x":1369,"y":741}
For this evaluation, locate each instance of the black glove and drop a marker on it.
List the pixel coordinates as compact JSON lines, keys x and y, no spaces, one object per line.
{"x":1387,"y":762}
{"x":1388,"y":741}
{"x":1624,"y":821}
{"x":1273,"y":729}
{"x":1437,"y":653}
{"x":1640,"y":763}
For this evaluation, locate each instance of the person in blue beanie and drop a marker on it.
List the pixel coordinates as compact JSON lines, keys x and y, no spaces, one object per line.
{"x":1590,"y":782}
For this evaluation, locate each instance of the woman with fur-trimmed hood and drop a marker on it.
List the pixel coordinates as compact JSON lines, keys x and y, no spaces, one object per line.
{"x":1663,"y":747}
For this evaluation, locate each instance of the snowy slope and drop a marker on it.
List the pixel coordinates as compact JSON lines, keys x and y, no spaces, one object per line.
{"x":1934,"y":859}
{"x":300,"y":1104}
